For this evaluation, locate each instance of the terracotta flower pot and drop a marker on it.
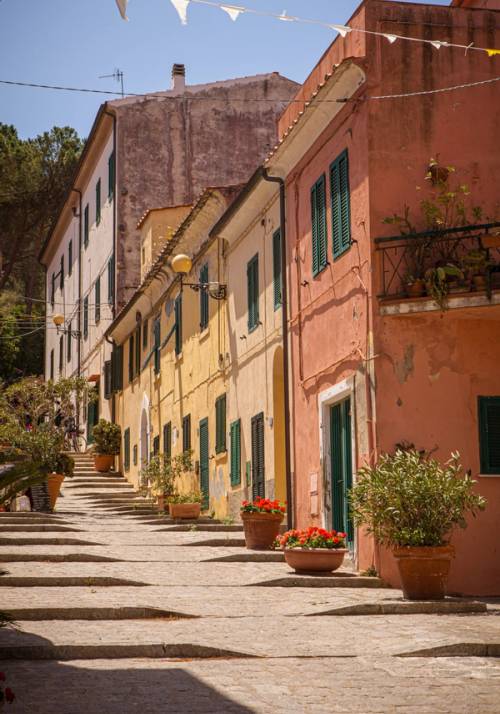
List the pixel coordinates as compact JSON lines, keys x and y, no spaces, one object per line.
{"x":424,"y":570}
{"x":103,"y":462}
{"x":314,"y":560}
{"x":479,"y":282}
{"x":161,"y":504}
{"x":416,"y":288}
{"x":261,"y":529}
{"x":184,"y":510}
{"x":54,"y":482}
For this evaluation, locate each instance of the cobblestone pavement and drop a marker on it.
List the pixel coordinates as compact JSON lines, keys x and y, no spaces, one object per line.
{"x":123,"y":614}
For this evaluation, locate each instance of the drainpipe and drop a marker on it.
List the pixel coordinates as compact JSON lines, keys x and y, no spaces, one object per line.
{"x":113,"y":403}
{"x":284,"y":327}
{"x":112,"y":342}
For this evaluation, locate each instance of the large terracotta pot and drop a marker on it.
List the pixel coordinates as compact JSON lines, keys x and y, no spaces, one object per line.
{"x":261,"y":529}
{"x":54,"y":482}
{"x":424,"y":570}
{"x":103,"y":462}
{"x":161,"y":504}
{"x":314,"y":560}
{"x":184,"y":510}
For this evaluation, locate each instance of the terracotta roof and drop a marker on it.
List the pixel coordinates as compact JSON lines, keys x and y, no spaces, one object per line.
{"x":159,"y":208}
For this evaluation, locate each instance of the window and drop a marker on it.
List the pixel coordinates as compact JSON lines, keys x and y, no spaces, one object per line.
{"x":156,"y":445}
{"x":253,"y":292}
{"x":178,"y":324}
{"x":86,"y":226}
{"x":68,"y":341}
{"x":167,"y":440}
{"x":204,"y":307}
{"x":236,"y":453}
{"x":108,"y":379}
{"x":277,"y":285}
{"x":70,"y":257}
{"x":186,"y":433}
{"x":138,"y":349}
{"x":145,"y":328}
{"x":341,"y":218}
{"x":117,"y":368}
{"x":131,"y":358}
{"x":111,"y":175}
{"x":157,"y":337}
{"x":61,"y":353}
{"x":52,"y":365}
{"x":134,"y":455}
{"x":98,"y":299}
{"x":220,"y":424}
{"x":61,"y":274}
{"x":111,"y":281}
{"x":489,"y":434}
{"x":258,"y":459}
{"x":318,"y":218}
{"x":53,"y":290}
{"x":85,"y":317}
{"x":98,"y":202}
{"x":126,"y":449}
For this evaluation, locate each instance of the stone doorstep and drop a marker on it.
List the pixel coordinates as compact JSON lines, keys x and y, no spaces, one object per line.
{"x":41,"y":521}
{"x":38,"y":528}
{"x":45,"y":541}
{"x":264,"y":557}
{"x":56,"y":558}
{"x":96,"y":613}
{"x":97,"y":484}
{"x":449,"y":606}
{"x":216,"y":543}
{"x":457,"y":649}
{"x":339,"y":579}
{"x":167,"y":520}
{"x":65,"y":581}
{"x":66,"y":653}
{"x":201,"y":528}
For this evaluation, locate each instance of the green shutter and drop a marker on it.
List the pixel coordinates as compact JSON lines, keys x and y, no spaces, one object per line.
{"x":53,"y":290}
{"x":131,"y":355}
{"x":107,"y":379}
{"x":61,"y":353}
{"x":167,"y":440}
{"x":111,"y":280}
{"x":319,"y":230}
{"x":52,"y":365}
{"x":178,"y":324}
{"x":236,"y":453}
{"x":85,"y":317}
{"x":220,"y":424}
{"x":204,"y":306}
{"x":86,"y":226}
{"x":98,"y":299}
{"x":157,"y":337}
{"x":156,"y":446}
{"x":204,"y":463}
{"x":258,"y":460}
{"x":145,"y":328}
{"x":186,"y":433}
{"x":138,"y":349}
{"x":117,"y":368}
{"x":277,"y":279}
{"x":340,"y":199}
{"x":98,"y":202}
{"x":253,"y":292}
{"x":489,"y":434}
{"x":111,"y":175}
{"x":126,"y":449}
{"x":61,"y":273}
{"x":69,"y":341}
{"x":70,"y":257}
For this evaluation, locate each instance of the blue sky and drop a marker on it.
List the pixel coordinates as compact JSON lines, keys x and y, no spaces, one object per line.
{"x":72,"y":42}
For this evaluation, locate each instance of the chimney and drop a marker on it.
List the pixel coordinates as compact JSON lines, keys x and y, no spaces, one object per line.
{"x":178,"y":77}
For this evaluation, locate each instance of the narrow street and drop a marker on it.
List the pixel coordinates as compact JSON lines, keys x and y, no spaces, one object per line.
{"x":122,"y":610}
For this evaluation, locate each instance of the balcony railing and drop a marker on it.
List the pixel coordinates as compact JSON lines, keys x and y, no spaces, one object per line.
{"x":403,"y":260}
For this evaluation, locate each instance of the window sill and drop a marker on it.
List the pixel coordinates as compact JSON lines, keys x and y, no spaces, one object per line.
{"x":221,"y":456}
{"x":253,"y":328}
{"x":488,"y":475}
{"x":204,"y":334}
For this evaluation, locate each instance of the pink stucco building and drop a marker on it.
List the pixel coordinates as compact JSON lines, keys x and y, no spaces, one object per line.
{"x":372,"y":367}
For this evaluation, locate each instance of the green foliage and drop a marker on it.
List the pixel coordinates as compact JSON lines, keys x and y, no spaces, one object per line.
{"x":191,"y":497}
{"x":410,"y":499}
{"x":437,"y":282}
{"x":107,"y":437}
{"x":161,"y":473}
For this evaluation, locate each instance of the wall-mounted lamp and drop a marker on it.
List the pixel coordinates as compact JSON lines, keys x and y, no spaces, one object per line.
{"x":182,"y":265}
{"x":58,"y":321}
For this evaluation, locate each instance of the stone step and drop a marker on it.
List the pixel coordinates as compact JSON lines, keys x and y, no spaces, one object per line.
{"x":217,"y":543}
{"x":449,"y":606}
{"x":45,"y":541}
{"x":248,"y":557}
{"x":67,"y":582}
{"x":338,"y":579}
{"x":37,"y":528}
{"x":98,"y":485}
{"x":27,"y":519}
{"x":202,"y":528}
{"x":96,"y":613}
{"x":56,"y":558}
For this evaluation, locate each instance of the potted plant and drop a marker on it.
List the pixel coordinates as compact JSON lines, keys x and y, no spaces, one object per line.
{"x":157,"y":480}
{"x":476,"y":263}
{"x":313,"y":549}
{"x":107,"y":442}
{"x":412,"y":503}
{"x":185,"y":505}
{"x":440,"y":281}
{"x":63,"y":465}
{"x":261,"y":522}
{"x":414,"y":287}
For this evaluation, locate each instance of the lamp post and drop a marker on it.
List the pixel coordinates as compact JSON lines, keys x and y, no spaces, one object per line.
{"x":182,"y":265}
{"x":58,"y":321}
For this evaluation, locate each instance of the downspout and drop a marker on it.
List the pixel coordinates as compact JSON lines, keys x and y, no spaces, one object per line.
{"x":112,"y":342}
{"x":284,"y":328}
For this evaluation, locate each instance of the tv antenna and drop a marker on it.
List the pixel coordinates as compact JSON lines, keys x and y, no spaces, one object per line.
{"x":117,"y":76}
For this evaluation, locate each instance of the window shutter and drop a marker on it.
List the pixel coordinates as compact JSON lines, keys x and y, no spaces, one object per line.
{"x":489,"y":434}
{"x":53,"y":290}
{"x":277,"y":279}
{"x":61,"y":353}
{"x":98,"y":299}
{"x":318,"y":219}
{"x":236,"y":453}
{"x":98,"y":202}
{"x":258,"y":462}
{"x":61,"y":273}
{"x":204,"y":305}
{"x":178,"y":324}
{"x":52,"y":365}
{"x":156,"y":446}
{"x":145,"y":328}
{"x":220,"y":424}
{"x":68,"y":341}
{"x":111,"y":175}
{"x":111,"y":281}
{"x":117,"y":368}
{"x":340,"y":199}
{"x":107,"y":379}
{"x":85,"y":317}
{"x":167,"y":440}
{"x":70,"y":257}
{"x":126,"y":449}
{"x":138,"y":349}
{"x":186,"y":433}
{"x":131,"y":355}
{"x":86,"y":226}
{"x":157,"y":336}
{"x":253,"y":292}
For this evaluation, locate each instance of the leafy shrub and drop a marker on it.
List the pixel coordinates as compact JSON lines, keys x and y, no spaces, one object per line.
{"x":191,"y":497}
{"x":410,"y":499}
{"x":107,"y":438}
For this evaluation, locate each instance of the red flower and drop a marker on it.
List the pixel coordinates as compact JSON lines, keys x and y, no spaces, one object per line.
{"x":9,"y":695}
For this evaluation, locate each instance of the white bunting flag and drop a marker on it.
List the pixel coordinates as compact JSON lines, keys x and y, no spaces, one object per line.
{"x":181,"y":6}
{"x":341,"y":29}
{"x":391,"y":38}
{"x":233,"y":11}
{"x":438,"y":44}
{"x":122,"y":7}
{"x":285,"y":17}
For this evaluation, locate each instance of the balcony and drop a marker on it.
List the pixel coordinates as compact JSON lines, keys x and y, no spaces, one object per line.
{"x":439,"y":270}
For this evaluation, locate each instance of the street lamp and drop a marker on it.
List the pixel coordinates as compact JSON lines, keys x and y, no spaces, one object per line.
{"x":58,"y":321}
{"x":182,"y":265}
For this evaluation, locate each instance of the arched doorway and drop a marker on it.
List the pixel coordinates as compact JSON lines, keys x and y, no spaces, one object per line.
{"x":279,"y":426}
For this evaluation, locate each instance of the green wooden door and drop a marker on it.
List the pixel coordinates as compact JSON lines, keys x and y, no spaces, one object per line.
{"x":258,"y":462}
{"x":341,"y":466}
{"x":204,"y":462}
{"x":92,"y":415}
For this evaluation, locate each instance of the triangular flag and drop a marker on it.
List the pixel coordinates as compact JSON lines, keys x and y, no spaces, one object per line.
{"x":181,"y":6}
{"x":341,"y":29}
{"x":391,"y":38}
{"x":438,"y":43}
{"x":122,"y":7}
{"x":233,"y":11}
{"x":492,"y":53}
{"x":285,"y":17}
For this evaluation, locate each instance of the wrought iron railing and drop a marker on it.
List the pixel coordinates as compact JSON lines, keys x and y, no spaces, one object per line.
{"x":405,"y":258}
